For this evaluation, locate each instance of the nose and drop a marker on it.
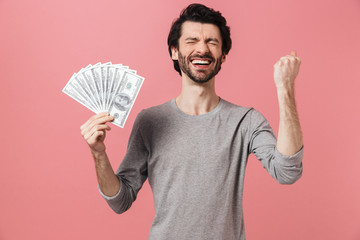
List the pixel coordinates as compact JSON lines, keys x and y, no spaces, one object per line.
{"x":202,"y":48}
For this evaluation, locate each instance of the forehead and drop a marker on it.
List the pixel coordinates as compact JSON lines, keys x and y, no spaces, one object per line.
{"x":197,"y":29}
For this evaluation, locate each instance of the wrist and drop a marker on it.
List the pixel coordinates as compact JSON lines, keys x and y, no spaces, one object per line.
{"x":289,"y":87}
{"x":98,"y":155}
{"x":286,"y":99}
{"x":285,"y":92}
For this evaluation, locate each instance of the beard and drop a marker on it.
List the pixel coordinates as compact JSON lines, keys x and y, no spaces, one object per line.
{"x":184,"y":64}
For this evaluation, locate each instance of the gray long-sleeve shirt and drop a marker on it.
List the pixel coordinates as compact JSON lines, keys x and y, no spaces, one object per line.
{"x":196,"y":167}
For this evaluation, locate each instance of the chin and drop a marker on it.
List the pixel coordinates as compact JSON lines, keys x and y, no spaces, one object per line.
{"x":200,"y":81}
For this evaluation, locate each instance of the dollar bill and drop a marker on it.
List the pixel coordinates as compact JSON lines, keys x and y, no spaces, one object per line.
{"x":124,"y":97}
{"x":74,"y":93}
{"x":87,"y":84}
{"x":93,"y":78}
{"x":106,"y":87}
{"x":115,"y":73}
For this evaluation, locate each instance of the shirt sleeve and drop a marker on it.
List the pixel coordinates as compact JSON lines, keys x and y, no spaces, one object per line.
{"x":285,"y":169}
{"x":132,"y":171}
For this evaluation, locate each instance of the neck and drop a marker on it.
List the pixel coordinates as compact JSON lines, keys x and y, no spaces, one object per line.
{"x":196,"y":98}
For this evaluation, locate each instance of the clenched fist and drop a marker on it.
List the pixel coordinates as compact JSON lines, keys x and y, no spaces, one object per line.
{"x":286,"y":70}
{"x":94,"y":131}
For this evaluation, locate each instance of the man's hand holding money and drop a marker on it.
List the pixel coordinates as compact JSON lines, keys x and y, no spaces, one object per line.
{"x":94,"y":131}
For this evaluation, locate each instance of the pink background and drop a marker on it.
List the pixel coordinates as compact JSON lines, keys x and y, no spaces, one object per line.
{"x":47,"y":178}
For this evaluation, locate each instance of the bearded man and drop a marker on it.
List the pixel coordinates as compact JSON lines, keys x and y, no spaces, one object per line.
{"x":194,"y":148}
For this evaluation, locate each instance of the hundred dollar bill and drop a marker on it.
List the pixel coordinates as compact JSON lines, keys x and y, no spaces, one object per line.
{"x":93,"y":79}
{"x":88,"y":83}
{"x":99,"y":78}
{"x":106,"y":87}
{"x":124,"y":96}
{"x":88,"y":86}
{"x":104,"y":76}
{"x":104,"y":82}
{"x":75,"y":93}
{"x":80,"y":87}
{"x":115,"y":74}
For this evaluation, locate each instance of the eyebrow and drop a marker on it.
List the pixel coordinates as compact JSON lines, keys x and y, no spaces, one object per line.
{"x":197,"y":39}
{"x":212,"y":40}
{"x":191,"y":38}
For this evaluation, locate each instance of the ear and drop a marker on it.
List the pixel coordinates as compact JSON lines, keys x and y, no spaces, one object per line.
{"x":223,"y":58}
{"x":174,"y":53}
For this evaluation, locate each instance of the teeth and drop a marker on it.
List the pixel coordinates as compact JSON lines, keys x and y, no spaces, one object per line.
{"x":200,"y":62}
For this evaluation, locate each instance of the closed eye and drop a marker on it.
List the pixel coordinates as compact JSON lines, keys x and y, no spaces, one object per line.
{"x":191,"y":40}
{"x":213,"y":41}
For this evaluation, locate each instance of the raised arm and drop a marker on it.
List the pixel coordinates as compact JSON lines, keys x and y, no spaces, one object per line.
{"x":94,"y":132}
{"x":289,"y":139}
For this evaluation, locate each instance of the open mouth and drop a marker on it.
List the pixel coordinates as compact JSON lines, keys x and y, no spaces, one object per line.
{"x":201,"y":62}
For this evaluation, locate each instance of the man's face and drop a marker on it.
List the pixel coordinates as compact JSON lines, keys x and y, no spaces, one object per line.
{"x":200,"y":53}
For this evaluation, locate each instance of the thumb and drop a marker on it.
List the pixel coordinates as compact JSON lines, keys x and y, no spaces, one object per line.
{"x":293,"y":52}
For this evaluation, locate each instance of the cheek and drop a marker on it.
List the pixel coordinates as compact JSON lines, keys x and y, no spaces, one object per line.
{"x":182,"y":58}
{"x":186,"y":49}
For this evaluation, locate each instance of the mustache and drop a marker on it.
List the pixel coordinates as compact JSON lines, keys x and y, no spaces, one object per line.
{"x":202,"y":56}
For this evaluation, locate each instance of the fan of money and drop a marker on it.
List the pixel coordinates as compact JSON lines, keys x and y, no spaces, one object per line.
{"x":106,"y":87}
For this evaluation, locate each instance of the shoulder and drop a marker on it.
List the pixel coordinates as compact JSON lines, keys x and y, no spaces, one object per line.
{"x":247,"y":115}
{"x":235,"y":110}
{"x":155,"y":110}
{"x":228,"y":106}
{"x":156,"y":114}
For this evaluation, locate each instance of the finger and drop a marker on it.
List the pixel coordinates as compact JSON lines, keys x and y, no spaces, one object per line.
{"x":98,"y":121}
{"x":294,"y":59}
{"x":102,"y":127}
{"x":96,"y":128}
{"x":290,"y":57}
{"x":293,"y":53}
{"x":93,"y":139}
{"x":97,"y":116}
{"x":284,"y":60}
{"x":92,"y":118}
{"x":278,"y":63}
